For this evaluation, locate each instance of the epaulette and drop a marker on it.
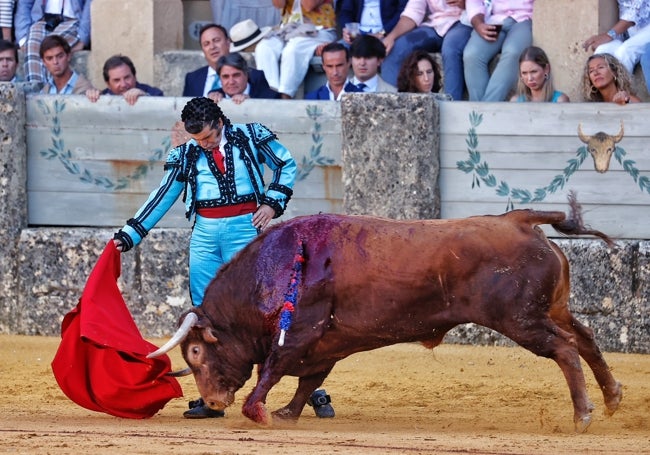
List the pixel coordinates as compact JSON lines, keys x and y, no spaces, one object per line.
{"x":260,"y":134}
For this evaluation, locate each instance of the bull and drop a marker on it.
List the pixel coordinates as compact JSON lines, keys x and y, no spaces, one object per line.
{"x":367,"y":282}
{"x":601,"y":146}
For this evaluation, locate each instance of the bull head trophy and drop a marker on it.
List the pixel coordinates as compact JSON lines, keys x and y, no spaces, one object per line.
{"x":601,"y":146}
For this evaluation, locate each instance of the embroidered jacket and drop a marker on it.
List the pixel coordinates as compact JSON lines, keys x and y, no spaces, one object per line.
{"x":192,"y":171}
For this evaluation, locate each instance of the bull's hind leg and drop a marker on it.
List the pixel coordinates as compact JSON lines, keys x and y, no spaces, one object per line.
{"x":589,"y":351}
{"x":546,"y":339}
{"x":306,"y":385}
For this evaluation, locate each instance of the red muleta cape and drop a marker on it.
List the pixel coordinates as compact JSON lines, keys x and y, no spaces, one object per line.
{"x":101,"y":363}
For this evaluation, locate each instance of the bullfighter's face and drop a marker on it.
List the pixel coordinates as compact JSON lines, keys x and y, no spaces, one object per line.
{"x":210,"y":136}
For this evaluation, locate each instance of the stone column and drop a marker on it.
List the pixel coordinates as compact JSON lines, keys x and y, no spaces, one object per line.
{"x":138,"y":29}
{"x":560,"y":28}
{"x":13,"y":197}
{"x":391,"y":155}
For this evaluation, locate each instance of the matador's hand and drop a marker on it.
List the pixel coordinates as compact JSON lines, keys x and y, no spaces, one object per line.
{"x":263,"y":217}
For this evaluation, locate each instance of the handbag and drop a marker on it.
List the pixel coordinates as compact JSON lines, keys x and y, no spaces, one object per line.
{"x":292,"y":24}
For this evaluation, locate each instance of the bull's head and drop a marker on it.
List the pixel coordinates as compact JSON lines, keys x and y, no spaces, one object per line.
{"x":601,"y":146}
{"x":207,"y":360}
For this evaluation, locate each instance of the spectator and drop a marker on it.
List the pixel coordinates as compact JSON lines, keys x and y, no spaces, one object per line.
{"x":37,"y":19}
{"x":336,"y":64}
{"x":376,"y":17}
{"x":535,"y":78}
{"x":8,"y":61}
{"x":245,"y":35}
{"x":6,"y":18}
{"x":119,"y":75}
{"x":503,"y":26}
{"x":56,"y":54}
{"x":214,"y":43}
{"x":368,"y":53}
{"x":441,"y":30}
{"x":605,"y":79}
{"x":420,"y":73}
{"x":307,"y":25}
{"x":237,"y":82}
{"x":628,"y":37}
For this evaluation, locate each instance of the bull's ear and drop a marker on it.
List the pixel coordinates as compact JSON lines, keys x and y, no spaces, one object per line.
{"x":209,"y":335}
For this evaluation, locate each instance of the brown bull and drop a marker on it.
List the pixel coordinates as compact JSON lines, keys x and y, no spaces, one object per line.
{"x":601,"y":146}
{"x":370,"y":282}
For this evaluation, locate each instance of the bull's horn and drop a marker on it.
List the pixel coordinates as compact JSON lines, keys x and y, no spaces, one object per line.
{"x":619,"y":136}
{"x":179,"y":373}
{"x":189,"y":322}
{"x":581,"y":135}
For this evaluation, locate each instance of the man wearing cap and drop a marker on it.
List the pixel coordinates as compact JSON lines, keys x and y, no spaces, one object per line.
{"x":239,"y":82}
{"x":215,"y":43}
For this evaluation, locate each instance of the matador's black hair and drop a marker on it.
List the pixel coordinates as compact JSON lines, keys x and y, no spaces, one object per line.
{"x":200,"y":112}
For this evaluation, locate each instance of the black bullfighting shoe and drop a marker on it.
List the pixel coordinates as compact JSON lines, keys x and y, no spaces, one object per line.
{"x":199,"y":410}
{"x":321,"y":403}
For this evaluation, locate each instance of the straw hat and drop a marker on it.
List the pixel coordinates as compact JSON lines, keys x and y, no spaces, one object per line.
{"x":245,"y":33}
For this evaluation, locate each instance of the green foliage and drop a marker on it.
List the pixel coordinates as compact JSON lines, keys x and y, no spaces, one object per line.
{"x":85,"y":175}
{"x":307,"y":164}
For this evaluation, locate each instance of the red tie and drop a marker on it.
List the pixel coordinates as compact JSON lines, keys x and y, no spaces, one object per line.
{"x":218,"y":159}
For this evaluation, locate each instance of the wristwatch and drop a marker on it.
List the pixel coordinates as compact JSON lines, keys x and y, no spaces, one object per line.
{"x":612,"y":34}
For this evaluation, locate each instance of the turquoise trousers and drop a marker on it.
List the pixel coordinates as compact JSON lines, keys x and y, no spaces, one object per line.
{"x":214,"y":242}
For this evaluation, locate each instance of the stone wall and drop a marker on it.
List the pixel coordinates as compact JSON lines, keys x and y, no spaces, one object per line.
{"x":43,"y":270}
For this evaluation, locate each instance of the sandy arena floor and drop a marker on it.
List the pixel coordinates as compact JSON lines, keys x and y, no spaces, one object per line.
{"x":398,"y":400}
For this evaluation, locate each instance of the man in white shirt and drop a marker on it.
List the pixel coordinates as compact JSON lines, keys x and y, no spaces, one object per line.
{"x":336,"y":64}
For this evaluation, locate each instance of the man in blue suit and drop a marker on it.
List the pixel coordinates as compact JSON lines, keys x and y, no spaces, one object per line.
{"x":239,"y":82}
{"x":214,"y":44}
{"x":336,"y":64}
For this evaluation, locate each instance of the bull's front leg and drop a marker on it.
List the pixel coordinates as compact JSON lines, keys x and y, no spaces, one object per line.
{"x":254,"y":406}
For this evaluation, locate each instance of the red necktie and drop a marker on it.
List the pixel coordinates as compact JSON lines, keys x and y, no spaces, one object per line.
{"x":218,"y":159}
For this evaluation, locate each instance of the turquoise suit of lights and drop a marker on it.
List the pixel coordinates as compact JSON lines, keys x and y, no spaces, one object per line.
{"x":191,"y":170}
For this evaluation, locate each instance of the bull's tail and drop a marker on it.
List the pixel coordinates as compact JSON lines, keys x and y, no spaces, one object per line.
{"x":574,"y":224}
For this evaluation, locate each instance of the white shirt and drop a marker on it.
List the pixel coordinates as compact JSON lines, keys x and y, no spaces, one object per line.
{"x":370,"y":21}
{"x":338,"y":98}
{"x":371,"y":84}
{"x":59,"y":7}
{"x":209,"y":81}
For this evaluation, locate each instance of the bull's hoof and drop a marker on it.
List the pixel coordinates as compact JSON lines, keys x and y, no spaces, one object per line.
{"x":582,"y":423}
{"x":257,"y":413}
{"x":285,"y":414}
{"x":613,"y":400}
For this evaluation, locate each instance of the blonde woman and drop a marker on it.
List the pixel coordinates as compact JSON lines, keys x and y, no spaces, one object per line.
{"x":535,"y":79}
{"x":605,"y":79}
